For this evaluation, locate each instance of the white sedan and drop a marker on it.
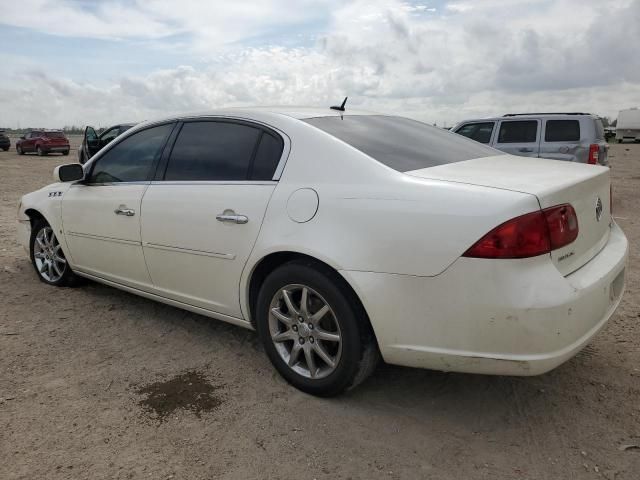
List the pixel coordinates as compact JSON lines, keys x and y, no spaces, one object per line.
{"x":341,"y":238}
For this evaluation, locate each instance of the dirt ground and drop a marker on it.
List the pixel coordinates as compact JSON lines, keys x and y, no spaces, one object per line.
{"x":97,"y":383}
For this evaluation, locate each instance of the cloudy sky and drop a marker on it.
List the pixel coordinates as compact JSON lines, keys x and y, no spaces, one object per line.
{"x":77,"y":62}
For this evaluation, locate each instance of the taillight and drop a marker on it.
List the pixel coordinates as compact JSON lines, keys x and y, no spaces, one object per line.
{"x":562,"y":222}
{"x":594,"y":151}
{"x":520,"y":237}
{"x":529,"y":235}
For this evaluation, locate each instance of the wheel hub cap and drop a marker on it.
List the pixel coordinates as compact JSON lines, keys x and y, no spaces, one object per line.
{"x":305,"y":331}
{"x":47,"y":253}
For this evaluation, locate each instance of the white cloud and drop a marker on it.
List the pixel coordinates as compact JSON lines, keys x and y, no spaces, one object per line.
{"x":470,"y":59}
{"x":206,"y":23}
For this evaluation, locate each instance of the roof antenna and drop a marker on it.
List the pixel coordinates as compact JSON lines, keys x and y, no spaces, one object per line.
{"x":341,"y":107}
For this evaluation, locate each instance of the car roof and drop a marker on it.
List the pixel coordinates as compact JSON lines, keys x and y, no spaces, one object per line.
{"x":264,"y":113}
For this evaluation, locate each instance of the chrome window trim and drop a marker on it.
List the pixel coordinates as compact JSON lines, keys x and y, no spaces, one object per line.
{"x":109,"y":184}
{"x":215,"y":182}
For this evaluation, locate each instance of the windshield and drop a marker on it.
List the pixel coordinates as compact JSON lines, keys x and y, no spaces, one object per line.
{"x":401,"y":143}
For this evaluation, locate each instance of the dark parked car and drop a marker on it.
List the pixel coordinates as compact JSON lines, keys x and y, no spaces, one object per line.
{"x":5,"y":143}
{"x":92,"y":142}
{"x":43,"y":142}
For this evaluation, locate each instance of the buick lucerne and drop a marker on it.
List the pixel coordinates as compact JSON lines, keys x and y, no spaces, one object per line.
{"x":342,"y":238}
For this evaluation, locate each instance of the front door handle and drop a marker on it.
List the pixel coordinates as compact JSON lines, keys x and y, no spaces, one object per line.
{"x":525,"y":150}
{"x":123,"y":210}
{"x":232,"y":218}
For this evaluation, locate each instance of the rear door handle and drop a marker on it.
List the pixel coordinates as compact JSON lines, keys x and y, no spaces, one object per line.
{"x":123,"y":210}
{"x":232,"y":218}
{"x":525,"y":150}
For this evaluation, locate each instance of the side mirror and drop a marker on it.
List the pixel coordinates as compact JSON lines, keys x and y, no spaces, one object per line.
{"x":68,"y":173}
{"x":22,"y":137}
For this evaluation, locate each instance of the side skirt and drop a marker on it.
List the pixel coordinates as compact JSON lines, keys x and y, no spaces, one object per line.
{"x":185,"y":306}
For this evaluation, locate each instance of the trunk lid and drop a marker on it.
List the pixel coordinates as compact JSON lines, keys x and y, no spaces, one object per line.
{"x":585,"y":187}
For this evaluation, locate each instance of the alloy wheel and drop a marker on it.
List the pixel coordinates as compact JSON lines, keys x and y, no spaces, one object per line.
{"x":305,"y":331}
{"x":48,"y":255}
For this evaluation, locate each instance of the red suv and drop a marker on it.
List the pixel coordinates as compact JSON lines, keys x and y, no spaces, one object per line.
{"x":43,"y":142}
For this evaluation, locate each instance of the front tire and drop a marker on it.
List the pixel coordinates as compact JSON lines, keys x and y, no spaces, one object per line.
{"x":47,"y":257}
{"x":19,"y":150}
{"x":314,"y":331}
{"x":40,"y":152}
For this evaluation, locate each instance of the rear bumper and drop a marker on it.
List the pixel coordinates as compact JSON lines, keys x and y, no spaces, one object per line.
{"x":509,"y":317}
{"x":54,"y":148}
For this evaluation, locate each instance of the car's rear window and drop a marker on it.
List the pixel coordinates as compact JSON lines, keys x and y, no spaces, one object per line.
{"x":54,"y":134}
{"x":599,"y":128}
{"x":401,"y":143}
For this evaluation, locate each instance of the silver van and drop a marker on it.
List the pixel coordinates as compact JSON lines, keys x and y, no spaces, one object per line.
{"x":573,"y":137}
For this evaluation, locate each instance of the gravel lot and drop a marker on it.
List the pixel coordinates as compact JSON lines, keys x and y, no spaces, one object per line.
{"x":97,"y":383}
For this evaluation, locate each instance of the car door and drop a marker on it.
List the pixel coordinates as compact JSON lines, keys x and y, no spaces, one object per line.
{"x":519,"y":137}
{"x":201,"y":218}
{"x":101,"y":214}
{"x":90,"y":143}
{"x":28,"y":144}
{"x":561,"y":140}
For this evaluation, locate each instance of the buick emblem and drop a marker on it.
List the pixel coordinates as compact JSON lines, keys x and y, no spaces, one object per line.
{"x":598,"y":209}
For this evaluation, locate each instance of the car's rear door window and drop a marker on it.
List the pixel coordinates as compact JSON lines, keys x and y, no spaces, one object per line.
{"x":223,"y":150}
{"x":131,"y":160}
{"x":562,"y":131}
{"x":401,"y":143}
{"x":518,"y":131}
{"x":480,"y":132}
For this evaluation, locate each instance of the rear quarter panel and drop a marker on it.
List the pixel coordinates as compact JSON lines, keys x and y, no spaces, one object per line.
{"x":372,"y":218}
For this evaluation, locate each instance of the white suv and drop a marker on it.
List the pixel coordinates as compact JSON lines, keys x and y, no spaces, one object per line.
{"x":573,"y":137}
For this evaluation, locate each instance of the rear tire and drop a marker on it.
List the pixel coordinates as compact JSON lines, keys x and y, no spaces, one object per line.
{"x":6,"y":149}
{"x":47,"y":257}
{"x":320,"y":341}
{"x":65,"y":153}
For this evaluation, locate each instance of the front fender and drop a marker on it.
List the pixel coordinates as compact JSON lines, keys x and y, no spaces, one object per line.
{"x":45,"y":203}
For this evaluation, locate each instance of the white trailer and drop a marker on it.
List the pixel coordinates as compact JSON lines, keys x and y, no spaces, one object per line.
{"x":628,"y":125}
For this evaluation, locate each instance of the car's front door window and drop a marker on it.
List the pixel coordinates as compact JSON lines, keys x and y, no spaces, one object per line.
{"x":132,"y":159}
